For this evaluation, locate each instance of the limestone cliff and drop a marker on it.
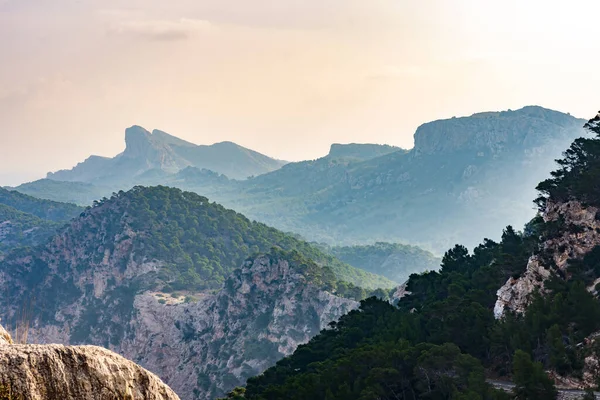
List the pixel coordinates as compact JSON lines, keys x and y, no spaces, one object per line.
{"x":577,"y":234}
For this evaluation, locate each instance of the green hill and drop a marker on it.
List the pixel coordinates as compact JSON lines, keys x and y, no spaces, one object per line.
{"x":392,"y":260}
{"x":194,"y":243}
{"x":44,"y":209}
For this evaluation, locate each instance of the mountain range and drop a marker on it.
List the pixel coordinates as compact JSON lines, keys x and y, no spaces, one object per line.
{"x":210,"y":300}
{"x":476,"y":171}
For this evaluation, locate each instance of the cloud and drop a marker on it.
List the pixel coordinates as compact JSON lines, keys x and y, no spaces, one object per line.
{"x":161,"y":30}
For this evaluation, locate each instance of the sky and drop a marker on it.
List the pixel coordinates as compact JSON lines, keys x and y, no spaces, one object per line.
{"x":283,"y":77}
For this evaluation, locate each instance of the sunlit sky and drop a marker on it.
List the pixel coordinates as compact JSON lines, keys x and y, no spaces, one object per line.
{"x":284,"y":77}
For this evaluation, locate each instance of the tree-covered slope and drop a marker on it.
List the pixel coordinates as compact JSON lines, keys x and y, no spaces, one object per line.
{"x":44,"y":209}
{"x":414,"y":350}
{"x":393,"y":260}
{"x":79,"y":193}
{"x":194,"y":243}
{"x":21,"y":229}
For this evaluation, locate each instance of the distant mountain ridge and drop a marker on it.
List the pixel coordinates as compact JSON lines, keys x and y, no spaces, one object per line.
{"x":157,"y":150}
{"x":465,"y":178}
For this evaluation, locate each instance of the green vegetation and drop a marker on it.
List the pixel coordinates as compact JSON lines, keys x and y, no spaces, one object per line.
{"x":579,"y":172}
{"x":197,"y":243}
{"x":392,"y":260}
{"x":20,"y":229}
{"x":44,"y":209}
{"x":202,"y":242}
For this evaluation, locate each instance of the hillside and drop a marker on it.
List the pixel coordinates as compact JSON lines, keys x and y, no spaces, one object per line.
{"x":41,"y":208}
{"x":146,"y":151}
{"x":392,"y":260}
{"x":82,"y":194}
{"x":516,"y":308}
{"x":478,"y":171}
{"x":20,"y":229}
{"x":361,"y":151}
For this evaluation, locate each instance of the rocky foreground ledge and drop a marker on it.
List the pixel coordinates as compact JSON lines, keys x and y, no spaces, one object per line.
{"x":49,"y":372}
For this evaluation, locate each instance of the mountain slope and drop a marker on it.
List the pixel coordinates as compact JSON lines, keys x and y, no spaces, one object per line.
{"x":82,"y":194}
{"x":45,"y":209}
{"x":20,"y":229}
{"x":549,"y":322}
{"x":392,"y":260}
{"x":154,"y":274}
{"x":476,"y":171}
{"x":146,"y":151}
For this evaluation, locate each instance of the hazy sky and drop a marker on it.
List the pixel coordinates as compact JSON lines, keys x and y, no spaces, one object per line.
{"x":284,"y":77}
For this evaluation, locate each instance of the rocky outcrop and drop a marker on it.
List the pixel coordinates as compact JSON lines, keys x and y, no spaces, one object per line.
{"x":579,"y":233}
{"x":42,"y":372}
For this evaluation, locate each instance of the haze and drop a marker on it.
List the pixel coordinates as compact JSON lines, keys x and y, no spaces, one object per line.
{"x":286,"y":78}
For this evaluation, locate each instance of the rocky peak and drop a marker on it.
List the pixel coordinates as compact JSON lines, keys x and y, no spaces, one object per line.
{"x":137,"y":141}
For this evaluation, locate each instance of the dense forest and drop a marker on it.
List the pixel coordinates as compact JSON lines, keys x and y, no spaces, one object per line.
{"x":442,"y":339}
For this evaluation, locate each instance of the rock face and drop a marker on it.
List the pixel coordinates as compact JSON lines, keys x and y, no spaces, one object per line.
{"x":40,"y":372}
{"x":581,"y":235}
{"x":204,"y":349}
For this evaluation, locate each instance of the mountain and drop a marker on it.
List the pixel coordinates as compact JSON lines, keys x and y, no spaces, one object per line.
{"x":40,"y":372}
{"x":392,"y":260}
{"x":20,"y":229}
{"x":525,"y":309}
{"x":79,"y":193}
{"x":163,"y":277}
{"x":45,"y":209}
{"x":28,"y":221}
{"x":465,"y":178}
{"x":145,"y":151}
